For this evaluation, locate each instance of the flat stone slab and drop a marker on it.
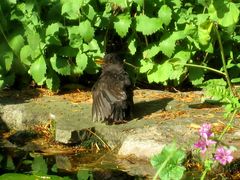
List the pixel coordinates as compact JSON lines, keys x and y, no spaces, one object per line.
{"x":159,"y":118}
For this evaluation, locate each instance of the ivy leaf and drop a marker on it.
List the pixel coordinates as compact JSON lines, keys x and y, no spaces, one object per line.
{"x":148,"y":25}
{"x":26,"y":55}
{"x":165,"y":13}
{"x":16,"y":42}
{"x":81,"y":61}
{"x":146,"y":65}
{"x":38,"y":70}
{"x":52,"y":81}
{"x":132,"y":46}
{"x":70,"y":9}
{"x":122,"y":24}
{"x":86,"y":30}
{"x":60,"y":65}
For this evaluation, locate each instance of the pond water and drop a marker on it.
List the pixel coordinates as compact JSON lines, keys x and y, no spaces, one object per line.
{"x":14,"y":163}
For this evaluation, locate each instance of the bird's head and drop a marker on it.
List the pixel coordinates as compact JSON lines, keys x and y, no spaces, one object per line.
{"x":110,"y":58}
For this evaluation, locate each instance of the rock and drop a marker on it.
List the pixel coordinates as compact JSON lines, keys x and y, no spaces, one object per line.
{"x":143,"y":144}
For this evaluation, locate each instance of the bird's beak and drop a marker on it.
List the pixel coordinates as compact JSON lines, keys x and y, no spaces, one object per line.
{"x":99,"y":61}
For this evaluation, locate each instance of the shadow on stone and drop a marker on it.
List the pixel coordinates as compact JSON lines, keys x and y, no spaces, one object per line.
{"x":17,"y":96}
{"x":144,"y":108}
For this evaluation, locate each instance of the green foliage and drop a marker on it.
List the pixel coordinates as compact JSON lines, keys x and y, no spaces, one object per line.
{"x":50,"y":39}
{"x":169,"y":163}
{"x":216,"y":90}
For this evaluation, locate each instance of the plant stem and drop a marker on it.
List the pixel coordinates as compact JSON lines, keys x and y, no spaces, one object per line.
{"x":228,"y":125}
{"x":205,"y":67}
{"x":204,"y":174}
{"x":223,"y":59}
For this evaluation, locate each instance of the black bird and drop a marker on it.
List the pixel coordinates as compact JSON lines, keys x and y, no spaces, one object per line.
{"x":112,"y":93}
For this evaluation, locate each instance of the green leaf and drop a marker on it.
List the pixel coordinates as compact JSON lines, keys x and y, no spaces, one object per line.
{"x":231,"y":17}
{"x":33,"y":39}
{"x":89,"y":12}
{"x":16,"y":43}
{"x":52,"y":29}
{"x":39,"y":166}
{"x":169,"y":161}
{"x":224,"y":12}
{"x":148,"y":25}
{"x":67,"y":51}
{"x":165,"y":13}
{"x":151,"y":51}
{"x":38,"y":70}
{"x":81,"y":61}
{"x":204,"y":31}
{"x":52,"y":81}
{"x":139,"y":2}
{"x":132,"y":46}
{"x":86,"y":30}
{"x":146,"y":65}
{"x":71,"y":9}
{"x":196,"y":75}
{"x":26,"y":55}
{"x":122,"y":24}
{"x":52,"y":34}
{"x":7,"y":81}
{"x":167,"y":46}
{"x":160,"y":73}
{"x":14,"y":176}
{"x":6,"y":62}
{"x":60,"y":65}
{"x":74,"y":36}
{"x":84,"y":174}
{"x":168,"y":42}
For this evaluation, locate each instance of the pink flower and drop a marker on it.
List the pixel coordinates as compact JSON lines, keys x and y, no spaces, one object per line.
{"x":205,"y":131}
{"x":203,"y":144}
{"x":223,"y":155}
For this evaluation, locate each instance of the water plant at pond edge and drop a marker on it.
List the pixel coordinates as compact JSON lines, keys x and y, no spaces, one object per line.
{"x":169,"y":163}
{"x":39,"y":170}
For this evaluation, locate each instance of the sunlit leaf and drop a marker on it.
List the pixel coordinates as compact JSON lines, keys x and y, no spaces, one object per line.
{"x":60,"y":65}
{"x":148,"y":25}
{"x":122,"y":24}
{"x":165,"y":13}
{"x":16,"y":43}
{"x":86,"y":30}
{"x":52,"y":81}
{"x":81,"y":62}
{"x":146,"y":65}
{"x":38,"y":70}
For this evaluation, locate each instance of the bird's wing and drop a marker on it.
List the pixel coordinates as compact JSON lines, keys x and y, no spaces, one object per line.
{"x":108,"y":92}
